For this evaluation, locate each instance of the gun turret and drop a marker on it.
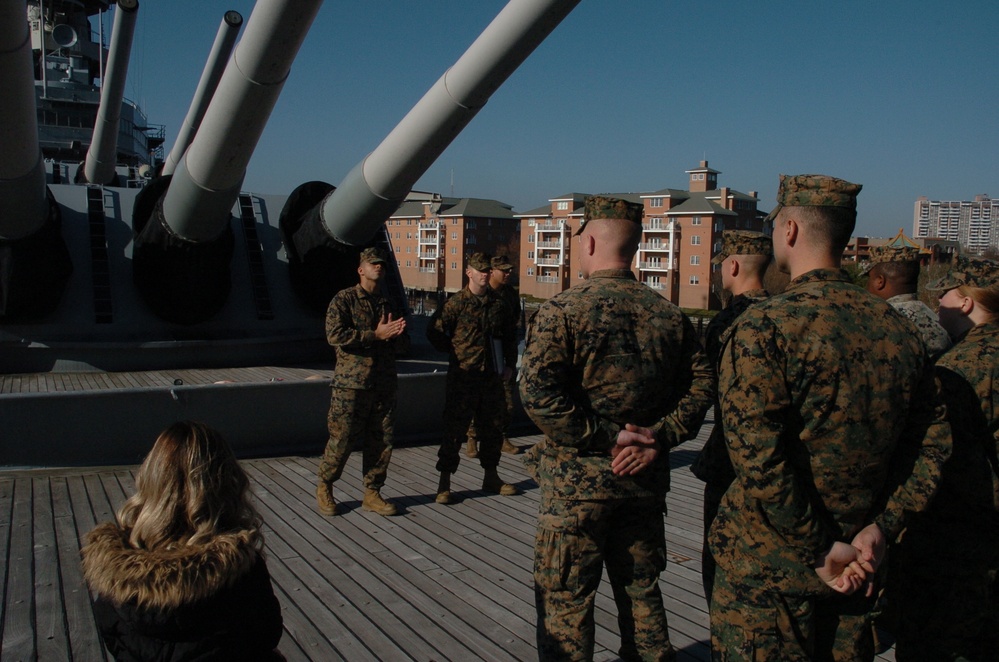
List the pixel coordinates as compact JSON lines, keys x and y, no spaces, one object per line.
{"x":183,"y":243}
{"x":34,"y":261}
{"x":102,"y":157}
{"x":321,"y":224}
{"x":217,"y":59}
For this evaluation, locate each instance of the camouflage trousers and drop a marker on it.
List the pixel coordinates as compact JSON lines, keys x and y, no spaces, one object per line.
{"x":506,"y":414}
{"x":575,"y":540}
{"x":944,"y":591}
{"x":469,"y":396}
{"x":359,"y":415}
{"x":713,"y":494}
{"x":750,"y":624}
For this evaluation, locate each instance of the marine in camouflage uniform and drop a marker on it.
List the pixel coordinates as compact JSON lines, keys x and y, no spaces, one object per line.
{"x":362,"y":406}
{"x":499,"y":274}
{"x":834,"y":428}
{"x":893,"y":274}
{"x":943,"y":577}
{"x":750,"y":253}
{"x":606,"y":353}
{"x":476,"y":329}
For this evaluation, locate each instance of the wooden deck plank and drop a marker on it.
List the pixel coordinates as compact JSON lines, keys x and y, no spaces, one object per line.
{"x":81,"y":628}
{"x":19,"y":604}
{"x":50,"y":625}
{"x":437,"y":582}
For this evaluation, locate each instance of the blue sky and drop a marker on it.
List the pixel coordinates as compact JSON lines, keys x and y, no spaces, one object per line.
{"x":626,"y":95}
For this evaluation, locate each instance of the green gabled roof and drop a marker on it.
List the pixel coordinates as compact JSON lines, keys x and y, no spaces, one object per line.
{"x":901,"y":241}
{"x":698,"y":204}
{"x":476,"y":207}
{"x":668,"y":193}
{"x":543,"y":210}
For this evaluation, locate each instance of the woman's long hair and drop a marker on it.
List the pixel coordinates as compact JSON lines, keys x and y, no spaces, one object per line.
{"x":189,"y":489}
{"x":986,"y":297}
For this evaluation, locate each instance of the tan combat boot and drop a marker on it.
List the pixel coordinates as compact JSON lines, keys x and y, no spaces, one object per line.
{"x":510,"y":448}
{"x":374,"y":502}
{"x":494,"y":484}
{"x":471,"y":450}
{"x":444,"y":489}
{"x":324,"y":499}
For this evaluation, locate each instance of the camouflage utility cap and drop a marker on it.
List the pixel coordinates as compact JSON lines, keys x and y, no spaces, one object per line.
{"x":970,"y":271}
{"x":479,"y":261}
{"x":815,"y":191}
{"x":743,"y":242}
{"x":603,"y":207}
{"x":373,"y":255}
{"x":501,"y":262}
{"x":882,"y":254}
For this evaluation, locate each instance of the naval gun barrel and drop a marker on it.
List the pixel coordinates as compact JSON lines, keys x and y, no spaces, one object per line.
{"x":102,"y":157}
{"x":23,"y":203}
{"x":225,"y":39}
{"x":324,"y":227}
{"x":207,"y":181}
{"x":34,"y":261}
{"x":184,"y":240}
{"x":376,"y":186}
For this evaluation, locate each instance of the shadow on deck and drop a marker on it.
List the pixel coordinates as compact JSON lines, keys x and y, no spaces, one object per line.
{"x":434,"y":583}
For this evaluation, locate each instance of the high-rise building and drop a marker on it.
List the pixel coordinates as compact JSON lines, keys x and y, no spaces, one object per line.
{"x":973,"y":224}
{"x":681,"y":232}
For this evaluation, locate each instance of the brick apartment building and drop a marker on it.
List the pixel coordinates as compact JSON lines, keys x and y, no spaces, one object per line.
{"x":432,"y":237}
{"x":681,"y":232}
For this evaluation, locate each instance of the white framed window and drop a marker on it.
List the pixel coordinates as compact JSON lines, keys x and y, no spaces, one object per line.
{"x":454,"y":250}
{"x":562,"y":205}
{"x":696,"y":220}
{"x":531,"y":223}
{"x":409,"y":263}
{"x":530,"y":271}
{"x":695,"y":240}
{"x":694,"y":280}
{"x":454,"y":235}
{"x":695,"y":260}
{"x":454,"y":265}
{"x":655,"y":202}
{"x":530,"y":238}
{"x":530,"y":255}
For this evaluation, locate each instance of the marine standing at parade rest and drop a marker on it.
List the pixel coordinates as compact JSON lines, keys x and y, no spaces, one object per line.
{"x":476,"y":329}
{"x":614,"y":376}
{"x":944,"y":572}
{"x":893,"y":275}
{"x":742,"y":262}
{"x":499,"y":282}
{"x":367,"y":335}
{"x":834,"y":429}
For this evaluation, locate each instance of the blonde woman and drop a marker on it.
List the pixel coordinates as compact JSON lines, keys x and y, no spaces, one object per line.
{"x":181,"y":575}
{"x":945,"y":584}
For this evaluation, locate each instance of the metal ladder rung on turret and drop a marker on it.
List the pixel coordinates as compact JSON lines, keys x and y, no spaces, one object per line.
{"x":98,"y":201}
{"x":255,"y":257}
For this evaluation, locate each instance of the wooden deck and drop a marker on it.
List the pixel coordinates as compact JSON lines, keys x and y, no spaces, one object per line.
{"x":434,"y":583}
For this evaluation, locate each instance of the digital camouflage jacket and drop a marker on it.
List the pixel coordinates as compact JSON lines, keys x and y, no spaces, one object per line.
{"x":832,"y":420}
{"x":465,"y":327}
{"x":604,"y":353}
{"x":362,"y":362}
{"x":936,"y":338}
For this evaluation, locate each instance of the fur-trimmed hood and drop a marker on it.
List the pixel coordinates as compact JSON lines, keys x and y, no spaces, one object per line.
{"x":163,"y":578}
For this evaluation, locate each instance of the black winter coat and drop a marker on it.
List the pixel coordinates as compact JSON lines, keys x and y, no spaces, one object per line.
{"x":207,"y":602}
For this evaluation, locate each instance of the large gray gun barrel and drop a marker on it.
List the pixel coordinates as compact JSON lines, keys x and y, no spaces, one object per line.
{"x":225,"y":39}
{"x":181,"y":256}
{"x":102,"y":157}
{"x":377,"y":186}
{"x":34,"y":261}
{"x":23,"y":205}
